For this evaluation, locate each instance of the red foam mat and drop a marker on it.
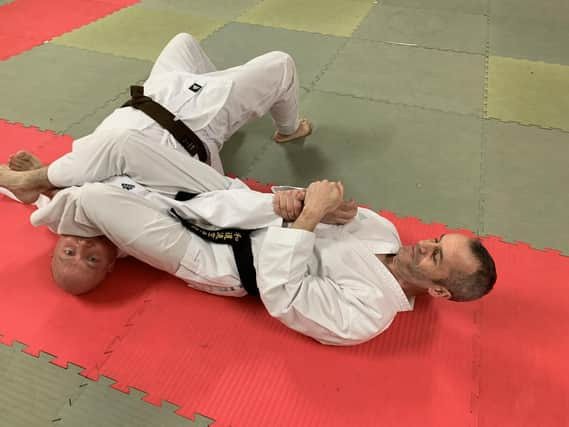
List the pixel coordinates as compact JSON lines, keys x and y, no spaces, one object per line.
{"x":491,"y":363}
{"x":29,"y":23}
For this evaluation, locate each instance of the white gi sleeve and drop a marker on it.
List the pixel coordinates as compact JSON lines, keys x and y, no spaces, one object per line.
{"x":330,"y":312}
{"x":236,"y":208}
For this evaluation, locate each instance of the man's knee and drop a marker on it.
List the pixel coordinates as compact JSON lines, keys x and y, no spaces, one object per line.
{"x":184,"y":39}
{"x":281,"y":65}
{"x":281,"y":58}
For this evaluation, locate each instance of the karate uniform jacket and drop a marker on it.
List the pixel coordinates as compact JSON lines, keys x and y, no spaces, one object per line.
{"x":327,"y":284}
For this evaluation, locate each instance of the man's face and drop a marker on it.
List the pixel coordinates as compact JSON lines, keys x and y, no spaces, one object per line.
{"x":80,"y":264}
{"x":433,"y":260}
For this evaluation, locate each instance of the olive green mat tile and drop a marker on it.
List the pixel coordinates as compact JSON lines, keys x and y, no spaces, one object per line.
{"x":447,"y":81}
{"x":335,"y":17}
{"x":91,"y":120}
{"x":531,"y":39}
{"x":249,"y":143}
{"x":429,"y":28}
{"x":214,"y":9}
{"x":8,"y":355}
{"x":32,"y":391}
{"x":546,"y":10}
{"x":99,"y":405}
{"x":528,"y":92}
{"x":53,"y":87}
{"x":409,"y":160}
{"x":237,"y":43}
{"x":137,"y":32}
{"x":465,"y":6}
{"x":525,"y":189}
{"x":3,"y":2}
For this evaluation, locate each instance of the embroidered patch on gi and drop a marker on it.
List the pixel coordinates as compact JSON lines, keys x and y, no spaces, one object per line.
{"x":127,"y":187}
{"x":195,"y":87}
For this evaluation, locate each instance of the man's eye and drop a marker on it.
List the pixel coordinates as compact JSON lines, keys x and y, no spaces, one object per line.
{"x":68,"y":252}
{"x":93,"y":259}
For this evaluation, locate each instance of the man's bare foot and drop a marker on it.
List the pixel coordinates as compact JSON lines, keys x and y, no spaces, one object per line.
{"x":304,"y":129}
{"x":13,"y":181}
{"x":24,"y":161}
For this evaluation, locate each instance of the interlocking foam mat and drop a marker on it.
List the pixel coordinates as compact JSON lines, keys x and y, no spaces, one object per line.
{"x":28,"y":23}
{"x":490,"y":363}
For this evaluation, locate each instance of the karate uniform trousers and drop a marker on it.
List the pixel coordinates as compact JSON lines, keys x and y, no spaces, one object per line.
{"x":214,"y":104}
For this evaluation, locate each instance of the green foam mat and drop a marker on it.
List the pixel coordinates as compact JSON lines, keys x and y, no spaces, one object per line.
{"x":549,"y":11}
{"x":447,"y":81}
{"x":33,"y":390}
{"x":528,"y":92}
{"x":525,"y":188}
{"x":529,"y":38}
{"x":335,"y":17}
{"x":138,"y":32}
{"x":430,"y":28}
{"x":53,"y":87}
{"x":36,"y":392}
{"x":465,"y":6}
{"x":402,"y":159}
{"x":249,"y":143}
{"x":214,"y":9}
{"x":237,"y":43}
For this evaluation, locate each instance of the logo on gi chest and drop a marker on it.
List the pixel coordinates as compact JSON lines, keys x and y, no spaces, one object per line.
{"x":195,"y":87}
{"x":127,"y":187}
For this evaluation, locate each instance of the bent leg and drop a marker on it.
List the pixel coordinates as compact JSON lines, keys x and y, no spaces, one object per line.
{"x":135,"y":225}
{"x":118,"y":152}
{"x":268,"y":83}
{"x":182,"y":53}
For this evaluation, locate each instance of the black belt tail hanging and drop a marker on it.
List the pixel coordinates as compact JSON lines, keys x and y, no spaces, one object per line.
{"x":240,"y":241}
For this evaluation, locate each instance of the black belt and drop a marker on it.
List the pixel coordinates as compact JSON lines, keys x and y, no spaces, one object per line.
{"x":240,"y":241}
{"x":183,"y":134}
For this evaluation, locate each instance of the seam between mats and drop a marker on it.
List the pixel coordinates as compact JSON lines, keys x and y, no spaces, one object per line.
{"x":419,"y":46}
{"x":124,"y":94}
{"x":483,"y":136}
{"x":236,"y":18}
{"x":95,"y":371}
{"x":477,"y":338}
{"x":456,"y":113}
{"x":401,"y":104}
{"x":324,"y":69}
{"x":484,"y":12}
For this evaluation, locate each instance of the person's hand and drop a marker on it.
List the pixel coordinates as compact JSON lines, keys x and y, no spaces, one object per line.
{"x":342,"y":214}
{"x":323,"y":197}
{"x":288,"y":204}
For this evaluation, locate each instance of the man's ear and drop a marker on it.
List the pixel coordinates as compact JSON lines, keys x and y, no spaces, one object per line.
{"x":439,"y":292}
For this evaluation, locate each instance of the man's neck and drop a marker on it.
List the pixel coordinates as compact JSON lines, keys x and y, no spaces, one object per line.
{"x":409,"y":289}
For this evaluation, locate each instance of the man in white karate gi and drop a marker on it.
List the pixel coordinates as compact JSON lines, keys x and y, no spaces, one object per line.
{"x":340,"y":285}
{"x":213,"y":104}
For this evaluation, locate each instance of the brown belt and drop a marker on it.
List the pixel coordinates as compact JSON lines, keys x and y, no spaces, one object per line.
{"x":183,"y":134}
